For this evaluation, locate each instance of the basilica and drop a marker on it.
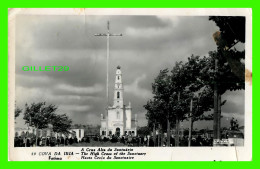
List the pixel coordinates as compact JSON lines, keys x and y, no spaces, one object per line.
{"x":118,"y":120}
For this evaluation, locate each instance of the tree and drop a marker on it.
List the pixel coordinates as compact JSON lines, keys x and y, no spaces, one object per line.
{"x":219,"y":76}
{"x":17,"y":111}
{"x":39,"y":115}
{"x":144,"y":131}
{"x":195,"y":91}
{"x":167,"y":108}
{"x":161,"y":104}
{"x":172,"y":93}
{"x":232,"y":31}
{"x":234,"y":124}
{"x":154,"y":114}
{"x":61,"y":124}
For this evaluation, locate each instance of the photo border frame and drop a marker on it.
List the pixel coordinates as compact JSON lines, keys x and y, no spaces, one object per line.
{"x":4,"y":163}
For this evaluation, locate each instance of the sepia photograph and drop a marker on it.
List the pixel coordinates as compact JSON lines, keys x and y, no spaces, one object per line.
{"x":129,"y":81}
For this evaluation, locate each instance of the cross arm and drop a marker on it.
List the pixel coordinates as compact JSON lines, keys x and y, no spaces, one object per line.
{"x":100,"y":34}
{"x":115,"y":34}
{"x":104,"y":34}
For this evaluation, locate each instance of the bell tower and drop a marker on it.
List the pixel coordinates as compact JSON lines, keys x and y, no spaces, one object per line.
{"x":118,"y":90}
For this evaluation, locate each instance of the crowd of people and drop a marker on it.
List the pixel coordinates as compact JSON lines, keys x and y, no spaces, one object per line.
{"x":127,"y":140}
{"x":159,"y":141}
{"x":43,"y":141}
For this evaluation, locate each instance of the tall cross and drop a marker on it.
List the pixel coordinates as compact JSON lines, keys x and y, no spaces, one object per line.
{"x":108,"y":34}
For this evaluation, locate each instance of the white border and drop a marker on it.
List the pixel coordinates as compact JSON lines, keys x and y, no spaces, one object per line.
{"x":153,"y":154}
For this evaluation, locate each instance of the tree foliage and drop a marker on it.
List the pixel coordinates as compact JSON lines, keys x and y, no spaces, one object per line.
{"x":173,"y":91}
{"x":232,"y":31}
{"x":61,"y":124}
{"x":17,"y":111}
{"x":144,"y":131}
{"x":223,"y":76}
{"x":39,"y":115}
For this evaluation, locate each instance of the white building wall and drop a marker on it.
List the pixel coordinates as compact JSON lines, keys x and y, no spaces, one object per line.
{"x":79,"y":133}
{"x":113,"y":117}
{"x":103,"y":124}
{"x":128,"y":118}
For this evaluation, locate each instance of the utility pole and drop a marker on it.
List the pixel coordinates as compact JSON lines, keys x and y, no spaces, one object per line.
{"x":216,"y":123}
{"x":219,"y":116}
{"x":190,"y":129}
{"x":108,"y":34}
{"x":168,"y":131}
{"x":177,"y":125}
{"x":154,"y":134}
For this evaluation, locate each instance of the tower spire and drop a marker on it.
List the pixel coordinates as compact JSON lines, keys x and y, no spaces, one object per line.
{"x":118,"y":90}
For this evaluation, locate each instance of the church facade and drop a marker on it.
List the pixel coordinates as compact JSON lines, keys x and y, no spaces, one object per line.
{"x":118,"y":120}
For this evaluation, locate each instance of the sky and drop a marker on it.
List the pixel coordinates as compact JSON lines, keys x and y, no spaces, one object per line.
{"x":148,"y":44}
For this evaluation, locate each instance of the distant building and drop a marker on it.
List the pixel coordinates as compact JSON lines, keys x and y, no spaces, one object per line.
{"x":119,"y":117}
{"x":79,"y":133}
{"x":48,"y":132}
{"x":91,"y":130}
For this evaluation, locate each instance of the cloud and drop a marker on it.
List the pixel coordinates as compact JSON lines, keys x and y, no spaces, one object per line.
{"x":148,"y":33}
{"x":173,"y":20}
{"x":136,"y":90}
{"x":148,"y":44}
{"x":68,"y":89}
{"x":75,"y":108}
{"x":142,"y":121}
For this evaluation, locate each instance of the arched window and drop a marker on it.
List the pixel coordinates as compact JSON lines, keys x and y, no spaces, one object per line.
{"x":118,"y":95}
{"x":118,"y":77}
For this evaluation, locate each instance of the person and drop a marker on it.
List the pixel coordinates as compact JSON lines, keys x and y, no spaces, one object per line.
{"x":20,"y":142}
{"x":137,"y":139}
{"x":48,"y":142}
{"x":145,"y":141}
{"x":40,"y":142}
{"x":28,"y":144}
{"x":75,"y":139}
{"x":199,"y":141}
{"x":53,"y":141}
{"x":134,"y":141}
{"x":62,"y":141}
{"x":66,"y":141}
{"x":172,"y":141}
{"x":58,"y":141}
{"x":151,"y":143}
{"x":164,"y":141}
{"x":122,"y":140}
{"x":232,"y":123}
{"x":70,"y":140}
{"x":16,"y":141}
{"x":129,"y":140}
